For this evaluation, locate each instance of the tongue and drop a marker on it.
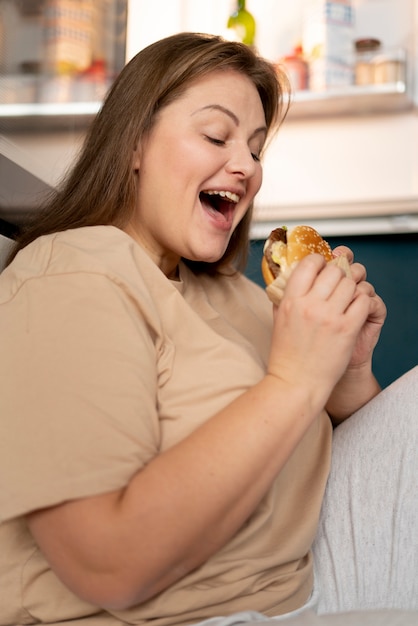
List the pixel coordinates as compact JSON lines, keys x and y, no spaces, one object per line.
{"x":223,"y":213}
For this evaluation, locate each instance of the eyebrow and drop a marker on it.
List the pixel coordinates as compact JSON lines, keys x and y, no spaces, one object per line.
{"x":229,"y":113}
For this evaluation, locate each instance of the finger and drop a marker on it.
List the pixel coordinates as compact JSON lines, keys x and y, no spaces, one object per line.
{"x":358,"y":311}
{"x":358,"y":272}
{"x":304,"y":275}
{"x":339,"y":250}
{"x":329,"y":281}
{"x":367,"y":288}
{"x":377,"y":310}
{"x":343,"y":295}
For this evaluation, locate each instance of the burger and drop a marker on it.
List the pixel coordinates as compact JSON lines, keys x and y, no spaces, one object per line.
{"x":285,"y":247}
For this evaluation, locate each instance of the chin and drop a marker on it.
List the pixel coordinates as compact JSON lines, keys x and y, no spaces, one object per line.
{"x":206,"y":256}
{"x":203,"y":259}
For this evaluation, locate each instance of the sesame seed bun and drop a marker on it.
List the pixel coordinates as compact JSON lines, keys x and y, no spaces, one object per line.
{"x":284,"y":248}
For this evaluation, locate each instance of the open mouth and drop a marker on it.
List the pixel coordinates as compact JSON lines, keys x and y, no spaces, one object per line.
{"x":220,"y":204}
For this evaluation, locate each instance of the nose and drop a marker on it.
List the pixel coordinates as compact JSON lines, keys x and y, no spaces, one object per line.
{"x":241,"y":161}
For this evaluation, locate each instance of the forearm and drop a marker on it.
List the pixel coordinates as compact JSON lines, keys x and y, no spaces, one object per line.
{"x":354,"y":390}
{"x":120,"y":549}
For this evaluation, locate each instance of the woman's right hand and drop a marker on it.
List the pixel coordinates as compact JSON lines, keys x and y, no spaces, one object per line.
{"x":316,"y":326}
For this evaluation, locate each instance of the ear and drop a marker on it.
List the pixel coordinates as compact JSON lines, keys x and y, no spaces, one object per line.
{"x":136,"y":160}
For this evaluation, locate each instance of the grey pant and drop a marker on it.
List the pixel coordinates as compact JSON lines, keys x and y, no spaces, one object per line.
{"x":366,"y":550}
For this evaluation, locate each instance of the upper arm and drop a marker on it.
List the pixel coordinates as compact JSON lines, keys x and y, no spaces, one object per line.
{"x":79,"y":390}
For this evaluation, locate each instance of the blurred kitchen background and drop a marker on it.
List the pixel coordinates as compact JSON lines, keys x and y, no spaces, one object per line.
{"x":345,"y":160}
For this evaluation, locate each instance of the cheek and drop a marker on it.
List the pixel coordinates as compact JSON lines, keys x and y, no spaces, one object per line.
{"x":184,"y":162}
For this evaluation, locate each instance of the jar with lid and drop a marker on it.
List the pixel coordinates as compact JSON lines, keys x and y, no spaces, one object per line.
{"x":390,"y":67}
{"x":366,"y":52}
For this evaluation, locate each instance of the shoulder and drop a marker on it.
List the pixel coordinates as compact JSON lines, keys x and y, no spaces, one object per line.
{"x":82,"y":254}
{"x":93,"y":248}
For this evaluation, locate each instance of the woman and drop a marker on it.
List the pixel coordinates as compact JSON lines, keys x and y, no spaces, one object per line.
{"x":164,"y":436}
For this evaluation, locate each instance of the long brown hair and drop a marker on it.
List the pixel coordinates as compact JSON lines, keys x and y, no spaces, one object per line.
{"x":101,"y":187}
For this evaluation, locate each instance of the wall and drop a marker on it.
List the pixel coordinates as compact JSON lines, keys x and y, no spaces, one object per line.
{"x":315,"y":164}
{"x":312,"y":165}
{"x":279,"y":22}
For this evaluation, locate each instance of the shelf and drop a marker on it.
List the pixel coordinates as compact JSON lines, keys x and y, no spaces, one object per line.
{"x":351,"y":100}
{"x":358,"y":217}
{"x":47,"y":116}
{"x":348,"y":227}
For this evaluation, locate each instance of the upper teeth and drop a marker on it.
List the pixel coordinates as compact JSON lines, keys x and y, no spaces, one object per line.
{"x":233,"y":197}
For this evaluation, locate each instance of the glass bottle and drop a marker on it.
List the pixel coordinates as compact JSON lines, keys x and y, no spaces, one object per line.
{"x":296,"y":68}
{"x":243,"y":24}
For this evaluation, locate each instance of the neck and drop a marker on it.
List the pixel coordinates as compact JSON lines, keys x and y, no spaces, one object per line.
{"x":168,"y":264}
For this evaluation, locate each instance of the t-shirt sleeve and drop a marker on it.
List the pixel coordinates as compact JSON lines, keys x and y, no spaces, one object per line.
{"x":78,"y":381}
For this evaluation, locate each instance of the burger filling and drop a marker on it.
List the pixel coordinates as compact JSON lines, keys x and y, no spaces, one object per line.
{"x":275,"y":251}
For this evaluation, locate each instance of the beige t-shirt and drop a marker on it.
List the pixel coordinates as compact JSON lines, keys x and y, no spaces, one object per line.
{"x":104,"y":362}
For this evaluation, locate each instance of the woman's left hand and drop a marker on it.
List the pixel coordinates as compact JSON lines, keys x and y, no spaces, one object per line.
{"x":369,"y":334}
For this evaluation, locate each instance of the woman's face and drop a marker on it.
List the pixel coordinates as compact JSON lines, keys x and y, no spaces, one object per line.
{"x":199,"y":170}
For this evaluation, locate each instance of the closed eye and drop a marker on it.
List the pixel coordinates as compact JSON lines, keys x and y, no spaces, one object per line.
{"x":217,"y":142}
{"x":221,"y":142}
